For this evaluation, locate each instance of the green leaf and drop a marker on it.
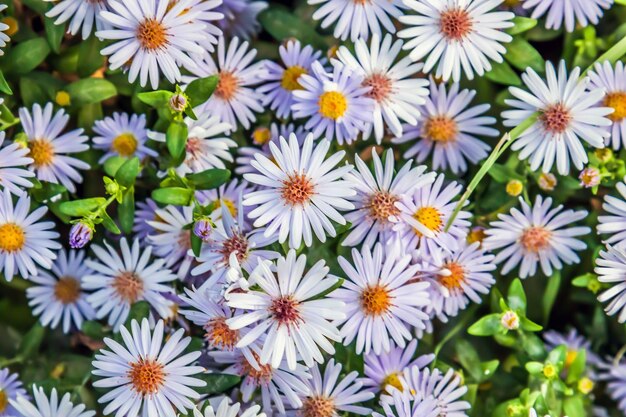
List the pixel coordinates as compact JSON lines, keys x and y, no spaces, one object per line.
{"x":31,"y":92}
{"x":528,"y":325}
{"x":196,"y":244}
{"x":488,"y":369}
{"x":88,"y":114}
{"x":126,"y":211}
{"x":112,"y":164}
{"x":209,"y":179}
{"x":574,"y":407}
{"x":504,"y":174}
{"x":486,"y":326}
{"x":4,"y":85}
{"x":522,"y":55}
{"x":577,"y":367}
{"x":138,"y":311}
{"x":26,"y":56}
{"x":516,"y":297}
{"x":550,"y":294}
{"x":40,"y":6}
{"x":216,"y":383}
{"x":127,"y":172}
{"x":156,"y":99}
{"x":80,"y":208}
{"x":469,"y":359}
{"x":200,"y":90}
{"x":522,"y":24}
{"x":534,"y":368}
{"x":90,"y":91}
{"x":282,"y":25}
{"x":176,"y":138}
{"x":109,"y":224}
{"x":54,"y":34}
{"x":93,"y":329}
{"x":503,"y":73}
{"x":533,"y":346}
{"x":176,"y":196}
{"x":31,"y":341}
{"x":89,"y":57}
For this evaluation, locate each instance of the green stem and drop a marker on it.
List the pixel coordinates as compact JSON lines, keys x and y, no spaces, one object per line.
{"x":615,"y":53}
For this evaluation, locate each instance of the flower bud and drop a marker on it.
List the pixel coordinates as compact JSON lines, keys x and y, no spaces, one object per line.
{"x":547,"y":181}
{"x":590,"y":177}
{"x":514,"y":188}
{"x":510,"y":320}
{"x":80,"y":234}
{"x":203,"y":228}
{"x":178,"y":102}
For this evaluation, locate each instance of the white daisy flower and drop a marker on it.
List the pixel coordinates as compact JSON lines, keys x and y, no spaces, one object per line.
{"x":381,"y":303}
{"x":423,"y":217}
{"x":397,"y":94}
{"x":614,"y":224}
{"x":171,"y":238}
{"x":405,"y":404}
{"x":119,"y":281}
{"x":612,"y":79}
{"x":330,"y":396}
{"x":447,"y":129}
{"x":48,"y":150}
{"x":122,"y":135}
{"x":302,"y":191}
{"x":386,"y":369}
{"x":285,"y":310}
{"x":240,"y":17}
{"x":611,"y":269}
{"x":82,"y":15}
{"x":279,"y":385}
{"x":210,"y":16}
{"x":456,"y":35}
{"x":59,"y":294}
{"x":281,"y":79}
{"x":336,"y":104}
{"x":4,"y":38}
{"x":569,"y":12}
{"x":226,"y":409}
{"x":261,"y":138}
{"x":234,"y":100}
{"x":155,"y":37}
{"x":145,"y":211}
{"x":207,"y":145}
{"x":358,"y":18}
{"x":10,"y":389}
{"x":568,"y":112}
{"x":13,"y":161}
{"x":535,"y":236}
{"x":45,"y":406}
{"x":24,"y":240}
{"x":376,"y":197}
{"x":146,"y":378}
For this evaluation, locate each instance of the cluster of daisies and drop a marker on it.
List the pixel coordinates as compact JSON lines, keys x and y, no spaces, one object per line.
{"x":265,"y":301}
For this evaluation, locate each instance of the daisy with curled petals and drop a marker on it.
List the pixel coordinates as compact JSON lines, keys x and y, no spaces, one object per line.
{"x":171,"y":238}
{"x":49,"y":149}
{"x":281,"y":79}
{"x":279,"y":385}
{"x":567,"y":112}
{"x":285,"y":309}
{"x":13,"y":161}
{"x":118,"y":281}
{"x":81,"y":15}
{"x":261,"y":138}
{"x":612,"y":79}
{"x":376,"y":196}
{"x":152,"y":38}
{"x":384,"y":370}
{"x":45,"y":406}
{"x":535,"y":235}
{"x":147,"y":377}
{"x":330,"y":396}
{"x":207,"y":145}
{"x":301,"y":191}
{"x":24,"y":240}
{"x":226,"y":409}
{"x":4,"y":38}
{"x":401,"y":403}
{"x":336,"y":104}
{"x":234,"y":100}
{"x":122,"y":135}
{"x":10,"y":389}
{"x":424,"y":214}
{"x":58,"y":293}
{"x":611,"y":270}
{"x":447,"y":128}
{"x":397,"y":94}
{"x":380,"y":302}
{"x":456,"y":35}
{"x":358,"y":18}
{"x":614,"y":224}
{"x":568,"y":13}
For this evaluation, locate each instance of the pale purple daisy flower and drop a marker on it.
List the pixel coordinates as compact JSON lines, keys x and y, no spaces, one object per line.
{"x":568,"y":13}
{"x":376,"y":196}
{"x":614,"y":373}
{"x":456,"y":35}
{"x":82,"y":15}
{"x":10,"y":389}
{"x":228,"y":195}
{"x":447,"y":129}
{"x":536,"y":236}
{"x":336,"y":104}
{"x":612,"y":78}
{"x":261,"y":138}
{"x":614,"y":224}
{"x":574,"y":342}
{"x":58,"y":294}
{"x":49,"y":148}
{"x":568,"y":112}
{"x":13,"y":162}
{"x":281,"y":79}
{"x":51,"y":406}
{"x":145,"y":211}
{"x":122,"y":135}
{"x":240,"y":17}
{"x":611,"y":269}
{"x":147,"y":377}
{"x":172,"y":239}
{"x":401,"y":403}
{"x":382,"y":302}
{"x":225,"y":409}
{"x":396,"y":91}
{"x":210,"y":16}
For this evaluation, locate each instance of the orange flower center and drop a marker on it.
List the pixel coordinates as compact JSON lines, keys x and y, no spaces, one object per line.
{"x":381,"y":205}
{"x":237,"y":243}
{"x":227,"y":86}
{"x":298,"y":189}
{"x":151,"y":34}
{"x":455,"y":24}
{"x":318,"y":407}
{"x":555,"y":118}
{"x":616,"y":101}
{"x":128,"y":286}
{"x":290,"y":78}
{"x":146,"y":376}
{"x":456,"y":277}
{"x":261,"y":136}
{"x":440,"y":129}
{"x":67,"y":290}
{"x":219,"y":335}
{"x":41,"y":151}
{"x":375,"y":300}
{"x":535,"y":238}
{"x":260,"y":376}
{"x":12,"y":237}
{"x":285,"y":310}
{"x":380,"y":87}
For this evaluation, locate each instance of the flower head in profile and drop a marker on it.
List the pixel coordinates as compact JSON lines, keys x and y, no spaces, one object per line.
{"x":82,"y":16}
{"x":611,"y":270}
{"x":536,"y":236}
{"x":456,"y":36}
{"x":122,"y":135}
{"x":226,"y":409}
{"x":145,"y":376}
{"x":614,"y":222}
{"x":570,"y":13}
{"x":49,"y":406}
{"x":612,"y":78}
{"x":13,"y":162}
{"x":10,"y":388}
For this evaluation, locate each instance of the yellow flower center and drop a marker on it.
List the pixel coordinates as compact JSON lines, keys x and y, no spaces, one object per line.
{"x":440,"y":129}
{"x":151,"y":34}
{"x":555,"y":118}
{"x":41,"y":151}
{"x":146,"y":376}
{"x":430,"y":217}
{"x":67,"y":290}
{"x":375,"y":300}
{"x":219,"y":335}
{"x":12,"y":237}
{"x":318,"y":407}
{"x":333,"y":104}
{"x":128,"y":286}
{"x":13,"y":27}
{"x":62,"y":98}
{"x":477,"y":234}
{"x":227,"y":85}
{"x":382,"y":205}
{"x":261,"y":136}
{"x":549,"y":370}
{"x":4,"y":401}
{"x":125,"y":144}
{"x":585,"y":385}
{"x":290,"y":78}
{"x":392,"y":379}
{"x":380,"y":87}
{"x":511,"y":3}
{"x":514,"y":188}
{"x":535,"y":238}
{"x":455,"y":24}
{"x":298,"y":189}
{"x":616,"y":101}
{"x":456,"y":277}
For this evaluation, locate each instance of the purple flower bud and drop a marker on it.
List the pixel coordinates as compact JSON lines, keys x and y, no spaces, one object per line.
{"x":202,"y":228}
{"x":80,"y":234}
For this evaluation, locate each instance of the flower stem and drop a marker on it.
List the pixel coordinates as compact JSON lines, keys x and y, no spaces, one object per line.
{"x":615,"y":53}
